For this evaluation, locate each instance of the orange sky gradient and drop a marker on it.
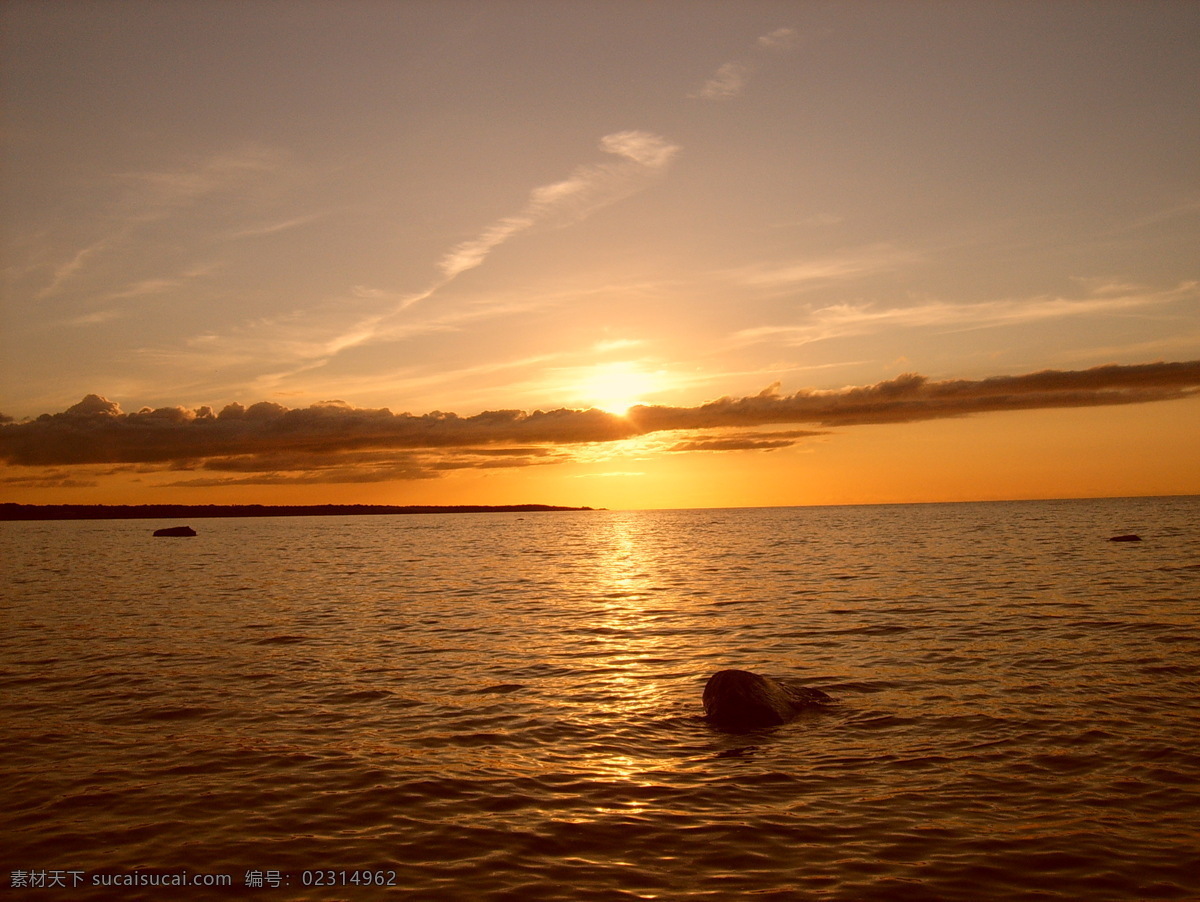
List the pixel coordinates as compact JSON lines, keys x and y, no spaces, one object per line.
{"x":612,"y":254}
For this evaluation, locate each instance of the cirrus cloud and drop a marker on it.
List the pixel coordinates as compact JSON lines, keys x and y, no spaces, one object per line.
{"x":730,"y":78}
{"x":589,"y":188}
{"x":642,"y":157}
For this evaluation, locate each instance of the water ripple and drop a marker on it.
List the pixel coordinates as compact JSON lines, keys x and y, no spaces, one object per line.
{"x":500,"y":707}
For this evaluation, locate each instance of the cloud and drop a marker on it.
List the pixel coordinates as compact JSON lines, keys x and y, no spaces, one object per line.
{"x":643,"y":156}
{"x":787,"y":278}
{"x":272,"y":228}
{"x":779,"y":39}
{"x":149,"y":197}
{"x":731,"y":78}
{"x":726,"y":82}
{"x":67,"y":271}
{"x":359,"y":467}
{"x":50,"y":480}
{"x":335,"y":442}
{"x":156,"y":192}
{"x":643,"y":148}
{"x":97,"y":431}
{"x":841,"y":320}
{"x":746,"y":441}
{"x":911,"y":398}
{"x":94,"y":405}
{"x":352,"y":468}
{"x":583,"y":192}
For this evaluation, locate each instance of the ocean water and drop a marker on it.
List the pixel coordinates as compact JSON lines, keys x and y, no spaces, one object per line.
{"x":507,"y":706}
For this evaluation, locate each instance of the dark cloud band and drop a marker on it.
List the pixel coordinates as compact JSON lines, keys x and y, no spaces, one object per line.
{"x":268,"y":436}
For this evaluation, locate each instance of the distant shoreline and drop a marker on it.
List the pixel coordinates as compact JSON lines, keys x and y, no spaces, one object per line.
{"x":11,"y":511}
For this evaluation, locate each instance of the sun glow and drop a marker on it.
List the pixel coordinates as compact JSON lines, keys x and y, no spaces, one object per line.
{"x":616,"y":387}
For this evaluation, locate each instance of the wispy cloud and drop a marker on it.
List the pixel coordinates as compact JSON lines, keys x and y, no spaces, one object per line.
{"x":359,"y":466}
{"x":153,"y":193}
{"x":797,"y":274}
{"x":66,"y":271}
{"x":148,"y":197}
{"x":841,"y":320}
{"x":95,"y":317}
{"x":779,"y":39}
{"x":642,"y":157}
{"x":731,"y":78}
{"x":745,"y":440}
{"x":49,"y":480}
{"x":271,"y":228}
{"x":333,"y":441}
{"x":728,"y":81}
{"x":161,"y":285}
{"x":588,"y":189}
{"x":269,"y":351}
{"x":135,"y":291}
{"x":268,"y":355}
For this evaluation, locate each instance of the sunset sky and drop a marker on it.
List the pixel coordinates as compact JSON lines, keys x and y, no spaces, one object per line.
{"x":613,"y":253}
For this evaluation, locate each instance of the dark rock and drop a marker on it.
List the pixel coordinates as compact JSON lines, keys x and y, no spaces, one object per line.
{"x":738,"y":700}
{"x":175,"y":531}
{"x":1126,"y":538}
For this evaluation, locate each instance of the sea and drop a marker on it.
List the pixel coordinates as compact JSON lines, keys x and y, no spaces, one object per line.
{"x":498,"y":706}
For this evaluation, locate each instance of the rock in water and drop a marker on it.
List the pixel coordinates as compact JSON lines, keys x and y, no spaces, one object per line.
{"x":1126,"y":538}
{"x":175,"y":531}
{"x":738,"y":700}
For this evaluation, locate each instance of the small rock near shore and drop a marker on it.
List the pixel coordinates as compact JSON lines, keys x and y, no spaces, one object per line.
{"x":175,"y":531}
{"x":738,"y":701}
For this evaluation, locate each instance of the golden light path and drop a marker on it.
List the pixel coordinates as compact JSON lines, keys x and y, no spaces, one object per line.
{"x":634,"y":590}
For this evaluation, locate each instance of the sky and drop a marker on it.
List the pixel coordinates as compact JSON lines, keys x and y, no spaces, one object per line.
{"x":599,"y":252}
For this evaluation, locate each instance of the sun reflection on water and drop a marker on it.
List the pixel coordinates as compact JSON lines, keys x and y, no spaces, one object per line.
{"x":633,"y":596}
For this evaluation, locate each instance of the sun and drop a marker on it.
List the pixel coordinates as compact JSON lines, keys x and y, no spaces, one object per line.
{"x":616,"y":387}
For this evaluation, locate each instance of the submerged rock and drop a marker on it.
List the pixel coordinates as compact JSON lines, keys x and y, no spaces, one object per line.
{"x":1126,"y":538}
{"x":738,"y":700}
{"x":175,"y":531}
